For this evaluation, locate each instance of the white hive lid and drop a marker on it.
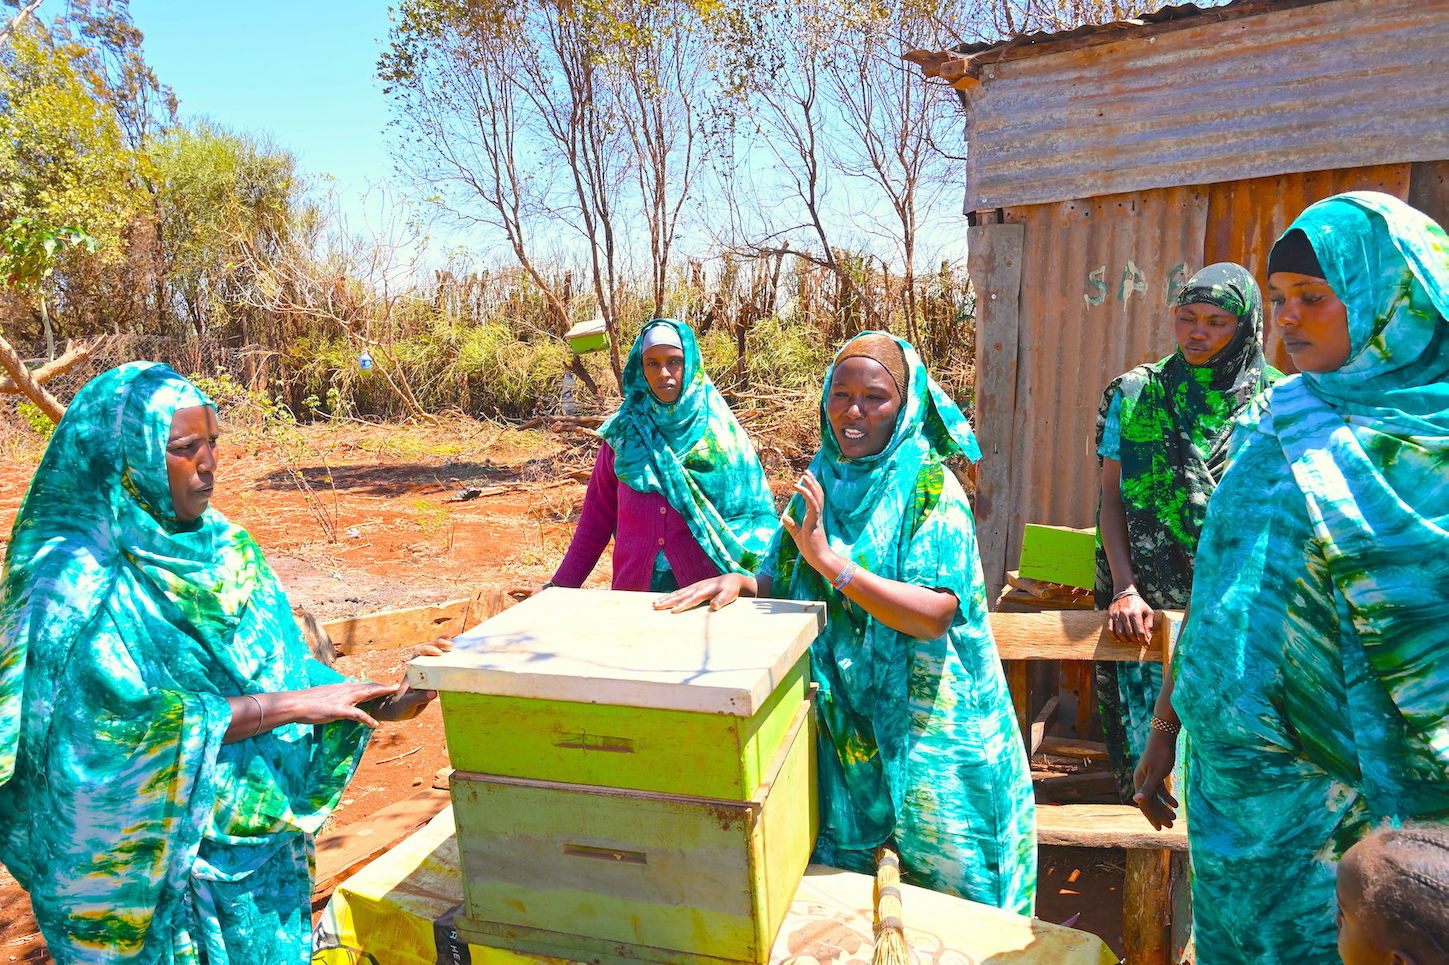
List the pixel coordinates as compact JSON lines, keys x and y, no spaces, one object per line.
{"x":613,"y":647}
{"x":595,"y":326}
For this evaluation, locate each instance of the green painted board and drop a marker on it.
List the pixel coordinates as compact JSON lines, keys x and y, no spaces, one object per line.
{"x":1058,"y":554}
{"x":648,"y":749}
{"x":599,"y":874}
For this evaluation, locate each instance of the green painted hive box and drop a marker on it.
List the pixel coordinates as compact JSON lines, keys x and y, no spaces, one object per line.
{"x":592,"y":874}
{"x":630,"y":784}
{"x":588,"y":337}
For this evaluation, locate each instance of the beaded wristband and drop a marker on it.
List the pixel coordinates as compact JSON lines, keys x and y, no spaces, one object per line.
{"x":1167,"y":727}
{"x":846,"y":575}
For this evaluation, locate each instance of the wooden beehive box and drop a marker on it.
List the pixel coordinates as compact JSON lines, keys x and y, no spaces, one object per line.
{"x":630,"y":784}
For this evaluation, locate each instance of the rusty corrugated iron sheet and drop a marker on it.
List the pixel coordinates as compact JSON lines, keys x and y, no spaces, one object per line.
{"x":1096,"y":278}
{"x":1336,"y":84}
{"x":1246,"y":217}
{"x":1176,"y":15}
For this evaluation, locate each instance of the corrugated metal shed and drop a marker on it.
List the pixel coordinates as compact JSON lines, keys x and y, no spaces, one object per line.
{"x":1222,"y":96}
{"x":1115,"y":177}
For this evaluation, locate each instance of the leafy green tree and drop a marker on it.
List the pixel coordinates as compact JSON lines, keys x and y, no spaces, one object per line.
{"x":63,"y":159}
{"x":220,"y":196}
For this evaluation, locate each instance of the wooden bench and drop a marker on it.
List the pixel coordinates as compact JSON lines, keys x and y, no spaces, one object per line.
{"x":1155,"y":908}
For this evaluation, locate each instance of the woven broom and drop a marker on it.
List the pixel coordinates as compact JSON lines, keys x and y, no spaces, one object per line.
{"x":890,"y":932}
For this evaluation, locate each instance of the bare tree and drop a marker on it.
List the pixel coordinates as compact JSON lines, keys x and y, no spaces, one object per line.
{"x":791,"y":107}
{"x":890,"y":121}
{"x":508,"y":108}
{"x":20,"y":15}
{"x":659,"y":64}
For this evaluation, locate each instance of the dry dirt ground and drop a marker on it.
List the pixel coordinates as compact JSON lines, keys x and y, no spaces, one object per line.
{"x":356,"y":519}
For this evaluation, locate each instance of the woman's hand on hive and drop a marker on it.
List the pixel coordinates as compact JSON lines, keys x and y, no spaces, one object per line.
{"x":717,"y":591}
{"x":1150,"y":779}
{"x":1130,"y":620}
{"x":342,"y":701}
{"x":404,"y":703}
{"x":809,"y":533}
{"x":436,"y":648}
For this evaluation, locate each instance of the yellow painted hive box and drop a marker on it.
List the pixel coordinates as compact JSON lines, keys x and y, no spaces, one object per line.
{"x":630,"y":784}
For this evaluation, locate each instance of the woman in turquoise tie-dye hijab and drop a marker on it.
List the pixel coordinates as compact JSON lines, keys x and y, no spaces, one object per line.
{"x":160,"y":774}
{"x":1314,"y":690}
{"x":918,"y":741}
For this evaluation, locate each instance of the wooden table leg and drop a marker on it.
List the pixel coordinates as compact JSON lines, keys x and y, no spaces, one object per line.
{"x":1018,"y":682}
{"x":1147,"y":907}
{"x":1183,"y":949}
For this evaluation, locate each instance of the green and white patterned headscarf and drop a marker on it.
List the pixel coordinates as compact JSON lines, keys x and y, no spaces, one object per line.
{"x":694,"y":453}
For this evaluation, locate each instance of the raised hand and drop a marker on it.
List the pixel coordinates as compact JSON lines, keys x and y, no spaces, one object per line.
{"x":809,"y":533}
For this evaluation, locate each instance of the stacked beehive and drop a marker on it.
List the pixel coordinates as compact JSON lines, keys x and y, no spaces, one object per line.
{"x":630,"y":784}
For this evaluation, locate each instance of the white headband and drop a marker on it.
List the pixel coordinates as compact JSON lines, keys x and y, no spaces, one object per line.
{"x":661,"y":334}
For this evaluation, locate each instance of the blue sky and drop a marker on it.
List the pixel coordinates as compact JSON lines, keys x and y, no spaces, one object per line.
{"x":299,"y":71}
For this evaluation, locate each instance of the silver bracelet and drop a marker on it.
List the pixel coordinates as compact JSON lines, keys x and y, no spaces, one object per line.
{"x":1130,"y":591}
{"x":261,"y":716}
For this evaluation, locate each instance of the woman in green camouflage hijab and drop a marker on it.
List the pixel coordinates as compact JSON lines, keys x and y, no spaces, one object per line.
{"x":159,"y":777}
{"x":1162,"y":435}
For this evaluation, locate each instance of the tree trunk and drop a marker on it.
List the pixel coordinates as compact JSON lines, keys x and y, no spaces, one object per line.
{"x":12,"y":363}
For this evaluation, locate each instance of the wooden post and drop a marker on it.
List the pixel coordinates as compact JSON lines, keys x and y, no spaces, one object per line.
{"x":994,"y":261}
{"x":1147,"y":907}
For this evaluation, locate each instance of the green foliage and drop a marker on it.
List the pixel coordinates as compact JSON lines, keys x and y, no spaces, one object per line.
{"x":36,"y":420}
{"x":63,"y":159}
{"x":237,"y":405}
{"x":28,"y":250}
{"x":222,"y":200}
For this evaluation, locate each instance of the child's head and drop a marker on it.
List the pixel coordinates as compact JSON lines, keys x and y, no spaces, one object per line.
{"x":1393,"y":898}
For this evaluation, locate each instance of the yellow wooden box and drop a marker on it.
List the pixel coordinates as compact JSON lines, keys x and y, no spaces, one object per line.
{"x":631,"y":784}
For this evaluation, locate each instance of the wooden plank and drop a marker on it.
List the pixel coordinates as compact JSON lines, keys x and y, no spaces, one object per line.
{"x":1074,"y":635}
{"x":1054,"y":788}
{"x":1067,"y":597}
{"x":1105,"y":826}
{"x":1147,"y":907}
{"x":1182,"y":947}
{"x":993,"y":258}
{"x":411,"y":626}
{"x":1059,"y":554}
{"x":1080,"y":677}
{"x":1039,"y":724}
{"x":613,"y":647}
{"x":1073,"y":747}
{"x":344,"y":850}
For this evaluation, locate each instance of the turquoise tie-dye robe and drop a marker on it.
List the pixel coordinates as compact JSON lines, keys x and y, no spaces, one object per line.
{"x":1314,"y":688}
{"x":139,"y":835}
{"x":918,"y":738}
